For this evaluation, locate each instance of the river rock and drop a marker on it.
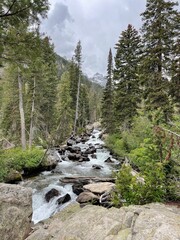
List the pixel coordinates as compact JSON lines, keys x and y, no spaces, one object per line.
{"x":90,"y":150}
{"x":78,"y":140}
{"x":109,"y":160}
{"x":15,"y":211}
{"x":100,"y":187}
{"x":96,"y":166}
{"x":93,"y":156}
{"x":70,"y":142}
{"x":74,"y":149}
{"x":51,"y":194}
{"x":86,"y":197}
{"x":148,"y":222}
{"x":77,"y":188}
{"x":74,"y":157}
{"x":64,"y":199}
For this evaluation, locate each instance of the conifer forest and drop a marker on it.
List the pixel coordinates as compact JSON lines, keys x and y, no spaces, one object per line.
{"x":46,"y":98}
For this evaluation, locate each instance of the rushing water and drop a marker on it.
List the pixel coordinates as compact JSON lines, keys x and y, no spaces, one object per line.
{"x":47,"y":180}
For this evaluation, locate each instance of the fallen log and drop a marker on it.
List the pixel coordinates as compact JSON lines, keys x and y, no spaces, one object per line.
{"x":85,"y":180}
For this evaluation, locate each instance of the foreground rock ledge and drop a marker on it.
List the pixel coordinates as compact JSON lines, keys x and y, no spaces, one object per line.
{"x":148,"y":222}
{"x":15,"y":212}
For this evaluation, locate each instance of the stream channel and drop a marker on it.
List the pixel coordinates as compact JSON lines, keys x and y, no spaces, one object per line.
{"x":47,"y":180}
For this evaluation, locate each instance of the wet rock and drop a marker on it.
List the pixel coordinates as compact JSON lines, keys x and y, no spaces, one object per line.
{"x":86,"y":197}
{"x":78,"y":140}
{"x":75,"y":150}
{"x":63,"y":199}
{"x":98,"y":146}
{"x":51,"y":194}
{"x":96,"y":166}
{"x":77,"y":188}
{"x":90,"y":150}
{"x":58,"y":171}
{"x":61,"y":151}
{"x":70,"y":142}
{"x":84,"y":139}
{"x":15,"y":211}
{"x":74,"y":157}
{"x":64,"y":158}
{"x":109,"y":160}
{"x":84,"y":159}
{"x":93,"y":136}
{"x":99,"y":188}
{"x":93,"y":156}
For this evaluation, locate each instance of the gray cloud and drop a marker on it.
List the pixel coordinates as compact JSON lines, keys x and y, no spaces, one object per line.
{"x":97,"y":23}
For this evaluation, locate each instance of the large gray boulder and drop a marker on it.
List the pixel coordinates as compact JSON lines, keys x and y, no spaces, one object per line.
{"x":99,"y":188}
{"x":148,"y":222}
{"x":15,"y":212}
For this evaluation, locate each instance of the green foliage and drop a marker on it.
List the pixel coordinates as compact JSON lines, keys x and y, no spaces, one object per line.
{"x":155,"y":154}
{"x":130,"y":190}
{"x":17,"y":159}
{"x":127,"y":91}
{"x":160,"y":31}
{"x":108,"y":99}
{"x":128,"y":140}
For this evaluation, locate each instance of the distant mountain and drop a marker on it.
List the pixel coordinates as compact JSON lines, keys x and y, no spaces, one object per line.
{"x":98,"y":78}
{"x":62,"y":64}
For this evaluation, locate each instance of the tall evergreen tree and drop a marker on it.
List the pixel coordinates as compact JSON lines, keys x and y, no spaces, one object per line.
{"x":159,"y":33}
{"x":127,"y":93}
{"x":65,"y":114}
{"x":175,"y":75}
{"x":107,"y":100}
{"x":77,"y":57}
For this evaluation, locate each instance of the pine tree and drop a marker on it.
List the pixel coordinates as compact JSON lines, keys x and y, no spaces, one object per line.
{"x":77,"y":57}
{"x":65,"y":114}
{"x":107,"y":100}
{"x":159,"y":32}
{"x":127,"y":92}
{"x":175,"y":75}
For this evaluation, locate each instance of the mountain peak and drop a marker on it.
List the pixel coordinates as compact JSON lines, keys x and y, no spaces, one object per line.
{"x":99,"y":78}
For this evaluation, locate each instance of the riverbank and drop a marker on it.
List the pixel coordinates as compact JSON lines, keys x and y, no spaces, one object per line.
{"x":16,"y":164}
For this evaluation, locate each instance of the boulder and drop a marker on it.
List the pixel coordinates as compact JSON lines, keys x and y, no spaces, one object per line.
{"x":84,"y":159}
{"x":70,"y":142}
{"x":77,"y":188}
{"x":100,"y":187}
{"x":86,"y":197}
{"x":15,"y":212}
{"x":51,"y":194}
{"x":90,"y":150}
{"x":50,"y":162}
{"x":96,"y":166}
{"x":78,"y":140}
{"x":64,"y":199}
{"x":74,"y":149}
{"x":61,"y":151}
{"x":74,"y":157}
{"x":148,"y":222}
{"x":93,"y":156}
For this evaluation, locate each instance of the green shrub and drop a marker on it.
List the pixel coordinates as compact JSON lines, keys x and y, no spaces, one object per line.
{"x":129,"y":190}
{"x":17,"y":159}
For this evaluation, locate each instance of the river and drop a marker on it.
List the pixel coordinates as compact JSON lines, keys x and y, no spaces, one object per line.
{"x":47,"y":180}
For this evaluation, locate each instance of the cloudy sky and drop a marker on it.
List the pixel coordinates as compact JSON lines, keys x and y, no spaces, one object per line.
{"x":96,"y":23}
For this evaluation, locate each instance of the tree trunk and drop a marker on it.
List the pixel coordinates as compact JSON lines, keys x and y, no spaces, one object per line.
{"x":77,"y":103}
{"x":21,"y":110}
{"x":31,"y":131}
